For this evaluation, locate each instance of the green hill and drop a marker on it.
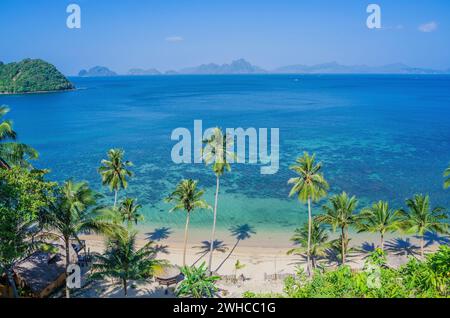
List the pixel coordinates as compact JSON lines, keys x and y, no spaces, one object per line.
{"x":30,"y":76}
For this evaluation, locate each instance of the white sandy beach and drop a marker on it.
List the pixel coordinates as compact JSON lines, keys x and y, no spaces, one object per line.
{"x":262,"y":254}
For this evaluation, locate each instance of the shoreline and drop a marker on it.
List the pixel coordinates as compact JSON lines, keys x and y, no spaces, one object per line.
{"x":38,"y":92}
{"x":260,"y":248}
{"x":264,"y":257}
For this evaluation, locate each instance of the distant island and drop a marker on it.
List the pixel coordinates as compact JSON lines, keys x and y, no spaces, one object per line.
{"x":31,"y":76}
{"x":97,"y":71}
{"x":141,"y":72}
{"x":336,"y":68}
{"x":242,"y":66}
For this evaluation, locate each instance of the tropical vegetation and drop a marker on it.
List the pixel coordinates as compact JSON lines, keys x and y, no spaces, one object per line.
{"x":310,"y":186}
{"x":74,"y":212}
{"x":187,"y":197}
{"x":123,"y":262}
{"x":416,"y":279}
{"x":197,"y":283}
{"x":115,"y":172}
{"x":36,"y":213}
{"x":29,"y":76}
{"x":217,"y":154}
{"x":340,"y":214}
{"x":319,"y":242}
{"x":421,"y":218}
{"x":379,"y":218}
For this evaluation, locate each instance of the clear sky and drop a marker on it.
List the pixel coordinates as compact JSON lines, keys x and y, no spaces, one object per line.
{"x":171,"y":34}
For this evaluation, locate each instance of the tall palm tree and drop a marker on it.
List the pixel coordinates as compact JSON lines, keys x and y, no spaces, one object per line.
{"x":115,"y":172}
{"x":216,"y":152}
{"x":380,"y":219}
{"x":420,"y":218}
{"x":11,"y":152}
{"x":447,"y":176}
{"x":318,"y":241}
{"x":73,"y":213}
{"x":123,"y":261}
{"x":129,"y":211}
{"x":340,"y":214}
{"x":309,"y":186}
{"x":187,"y":198}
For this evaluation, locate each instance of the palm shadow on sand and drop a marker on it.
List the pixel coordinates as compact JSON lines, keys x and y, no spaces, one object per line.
{"x":432,"y":238}
{"x":402,"y":247}
{"x":241,"y":233}
{"x":218,"y":246}
{"x":159,"y":234}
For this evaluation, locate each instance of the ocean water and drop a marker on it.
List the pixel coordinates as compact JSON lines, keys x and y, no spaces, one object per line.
{"x":378,"y":137}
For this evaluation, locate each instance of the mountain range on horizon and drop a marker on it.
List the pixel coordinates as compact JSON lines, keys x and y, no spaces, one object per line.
{"x":242,"y":66}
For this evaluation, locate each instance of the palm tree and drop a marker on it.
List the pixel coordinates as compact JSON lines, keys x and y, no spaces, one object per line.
{"x":128,"y":211}
{"x":123,"y":261}
{"x":73,"y":213}
{"x":340,"y":215}
{"x":420,"y":218}
{"x":380,"y":219}
{"x":318,"y":241}
{"x":114,"y":172}
{"x":11,"y":152}
{"x":187,"y":198}
{"x":216,"y":152}
{"x":447,"y":176}
{"x":309,"y":186}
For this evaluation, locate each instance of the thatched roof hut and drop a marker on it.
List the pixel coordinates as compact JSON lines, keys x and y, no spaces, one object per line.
{"x":42,"y":272}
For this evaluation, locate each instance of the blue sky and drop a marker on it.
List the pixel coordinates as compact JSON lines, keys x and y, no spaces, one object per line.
{"x":171,"y":34}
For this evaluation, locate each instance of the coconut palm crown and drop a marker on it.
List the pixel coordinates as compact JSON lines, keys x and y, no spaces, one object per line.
{"x":115,"y":172}
{"x":379,"y":218}
{"x":420,"y":218}
{"x":187,"y":197}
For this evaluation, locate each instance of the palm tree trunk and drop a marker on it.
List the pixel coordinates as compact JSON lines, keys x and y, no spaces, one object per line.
{"x":421,"y":247}
{"x":125,"y":286}
{"x":382,"y":242}
{"x":313,"y":261}
{"x":343,"y":245}
{"x":213,"y":233}
{"x":12,"y":283}
{"x":115,"y":197}
{"x":67,"y":242}
{"x":186,"y":237}
{"x":308,"y":251}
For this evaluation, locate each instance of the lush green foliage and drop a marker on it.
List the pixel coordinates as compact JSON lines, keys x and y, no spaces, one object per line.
{"x":23,"y":194}
{"x":129,"y":211}
{"x":421,"y":218}
{"x":310,"y":184}
{"x":319,"y":241}
{"x":197,"y":283}
{"x":122,"y":261}
{"x":187,"y":197}
{"x":429,"y":278}
{"x":11,"y":152}
{"x":340,"y":214}
{"x":31,"y":76}
{"x":379,"y":218}
{"x":73,"y":212}
{"x":25,"y":191}
{"x":114,"y":171}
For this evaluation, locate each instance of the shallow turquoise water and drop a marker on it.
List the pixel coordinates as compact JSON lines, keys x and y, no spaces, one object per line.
{"x":379,"y":137}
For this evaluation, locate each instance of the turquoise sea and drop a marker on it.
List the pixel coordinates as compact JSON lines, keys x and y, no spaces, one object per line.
{"x":378,"y":136}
